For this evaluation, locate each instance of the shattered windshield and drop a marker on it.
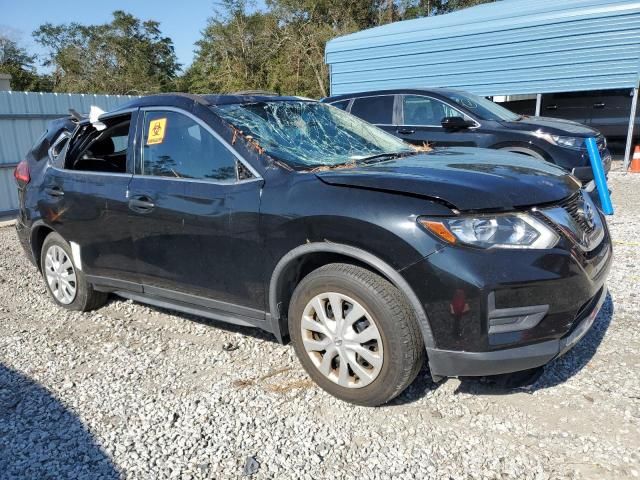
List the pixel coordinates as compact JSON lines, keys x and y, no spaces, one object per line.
{"x":307,"y":134}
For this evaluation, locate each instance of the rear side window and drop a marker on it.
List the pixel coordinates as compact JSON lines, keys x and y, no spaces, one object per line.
{"x":342,"y":104}
{"x":377,"y":110}
{"x":175,"y":145}
{"x":102,"y":150}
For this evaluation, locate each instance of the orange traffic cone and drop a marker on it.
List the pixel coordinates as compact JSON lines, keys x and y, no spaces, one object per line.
{"x":635,"y":162}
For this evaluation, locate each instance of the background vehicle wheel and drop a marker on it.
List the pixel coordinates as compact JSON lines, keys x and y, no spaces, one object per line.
{"x":66,"y":284}
{"x":524,"y":151}
{"x":355,"y":334}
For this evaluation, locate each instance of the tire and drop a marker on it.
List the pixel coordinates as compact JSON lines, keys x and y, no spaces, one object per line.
{"x":84,"y":298}
{"x":396,"y":353}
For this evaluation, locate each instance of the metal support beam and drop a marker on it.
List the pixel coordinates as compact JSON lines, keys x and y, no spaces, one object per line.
{"x":538,"y":104}
{"x":632,"y":121}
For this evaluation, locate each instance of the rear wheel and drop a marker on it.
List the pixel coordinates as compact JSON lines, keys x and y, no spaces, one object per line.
{"x":66,"y":284}
{"x":355,"y":334}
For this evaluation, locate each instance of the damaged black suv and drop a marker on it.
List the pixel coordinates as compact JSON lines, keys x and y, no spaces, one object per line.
{"x":297,"y":218}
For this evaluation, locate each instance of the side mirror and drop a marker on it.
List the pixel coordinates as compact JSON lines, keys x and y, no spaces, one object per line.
{"x":456,"y":123}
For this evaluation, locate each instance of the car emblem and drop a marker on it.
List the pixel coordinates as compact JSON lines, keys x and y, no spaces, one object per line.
{"x":586,"y":212}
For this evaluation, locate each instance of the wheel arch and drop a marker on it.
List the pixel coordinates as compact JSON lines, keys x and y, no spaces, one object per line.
{"x":310,"y":256}
{"x":39,"y":232}
{"x":523,"y":146}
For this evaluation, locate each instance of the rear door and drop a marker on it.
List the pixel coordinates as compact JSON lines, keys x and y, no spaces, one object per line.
{"x":421,"y":122}
{"x":85,"y":198}
{"x":576,"y":106}
{"x":376,"y":109}
{"x":194,"y":212}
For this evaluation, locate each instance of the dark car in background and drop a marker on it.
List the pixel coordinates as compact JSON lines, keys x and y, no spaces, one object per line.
{"x":607,"y":111}
{"x":446,"y":118}
{"x":300,"y":219}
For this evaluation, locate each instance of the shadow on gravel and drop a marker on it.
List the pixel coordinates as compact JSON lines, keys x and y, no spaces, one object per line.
{"x":557,"y":372}
{"x":418,"y":389}
{"x":40,"y":438}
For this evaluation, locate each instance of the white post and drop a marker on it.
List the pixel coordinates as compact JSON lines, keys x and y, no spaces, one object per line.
{"x":632,"y":121}
{"x":538,"y":104}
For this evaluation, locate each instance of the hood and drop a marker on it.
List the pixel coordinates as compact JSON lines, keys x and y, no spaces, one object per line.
{"x":554,"y":126}
{"x":465,"y":178}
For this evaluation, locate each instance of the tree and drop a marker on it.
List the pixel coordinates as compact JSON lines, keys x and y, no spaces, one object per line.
{"x":15,"y":61}
{"x":235,"y":52}
{"x":282,"y":48}
{"x":125,"y":56}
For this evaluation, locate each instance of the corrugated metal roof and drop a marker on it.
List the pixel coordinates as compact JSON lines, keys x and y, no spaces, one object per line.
{"x":502,"y":48}
{"x":24,"y":117}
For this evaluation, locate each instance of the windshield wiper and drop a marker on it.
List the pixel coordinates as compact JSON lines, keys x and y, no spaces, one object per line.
{"x":382,"y":157}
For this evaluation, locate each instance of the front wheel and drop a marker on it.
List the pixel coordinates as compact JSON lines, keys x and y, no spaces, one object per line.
{"x":355,"y":334}
{"x":67,"y":284}
{"x":524,"y":151}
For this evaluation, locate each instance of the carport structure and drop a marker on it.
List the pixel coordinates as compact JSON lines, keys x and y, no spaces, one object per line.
{"x":510,"y":47}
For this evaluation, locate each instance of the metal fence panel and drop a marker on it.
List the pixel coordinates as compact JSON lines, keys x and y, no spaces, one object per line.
{"x":23,"y":119}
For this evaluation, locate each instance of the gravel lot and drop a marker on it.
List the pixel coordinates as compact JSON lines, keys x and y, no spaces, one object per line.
{"x":136,"y":392}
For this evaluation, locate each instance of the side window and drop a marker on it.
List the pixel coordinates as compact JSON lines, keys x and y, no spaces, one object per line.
{"x":426,"y":111}
{"x":342,"y":104}
{"x":376,"y":110}
{"x":58,"y":147}
{"x":175,"y":145}
{"x":100,"y":150}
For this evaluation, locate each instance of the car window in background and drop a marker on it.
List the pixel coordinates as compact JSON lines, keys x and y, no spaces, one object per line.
{"x":309,"y":134}
{"x":426,"y":111}
{"x":483,"y":108}
{"x":342,"y":104}
{"x":175,"y":145}
{"x":377,"y":110}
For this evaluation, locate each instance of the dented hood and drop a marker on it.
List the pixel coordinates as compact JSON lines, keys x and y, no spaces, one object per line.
{"x":466,"y":178}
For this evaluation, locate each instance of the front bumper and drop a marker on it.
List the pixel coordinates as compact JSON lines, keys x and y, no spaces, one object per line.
{"x":471,"y":296}
{"x":448,"y":363}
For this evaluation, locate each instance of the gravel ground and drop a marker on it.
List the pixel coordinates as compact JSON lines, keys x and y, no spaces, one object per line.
{"x":136,"y":392}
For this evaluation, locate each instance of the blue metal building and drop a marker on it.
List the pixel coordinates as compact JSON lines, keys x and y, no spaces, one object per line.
{"x":509,"y":47}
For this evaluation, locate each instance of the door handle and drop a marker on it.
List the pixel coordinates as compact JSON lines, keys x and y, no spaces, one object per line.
{"x":406,"y":131}
{"x":551,"y":107}
{"x":599,"y":105}
{"x":141,"y":204}
{"x":54,"y":191}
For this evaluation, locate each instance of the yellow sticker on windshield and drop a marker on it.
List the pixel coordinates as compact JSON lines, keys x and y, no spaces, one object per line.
{"x":156,"y":131}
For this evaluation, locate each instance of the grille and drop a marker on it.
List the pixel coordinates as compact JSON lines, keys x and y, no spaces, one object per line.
{"x":572,"y":206}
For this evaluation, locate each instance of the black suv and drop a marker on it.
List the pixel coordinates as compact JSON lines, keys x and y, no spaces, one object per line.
{"x":444,"y":118}
{"x":297,"y":218}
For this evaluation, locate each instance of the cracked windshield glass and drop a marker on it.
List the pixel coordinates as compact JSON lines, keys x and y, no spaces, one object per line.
{"x":307,"y":135}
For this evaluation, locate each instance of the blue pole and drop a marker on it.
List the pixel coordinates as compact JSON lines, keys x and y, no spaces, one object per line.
{"x":598,"y":176}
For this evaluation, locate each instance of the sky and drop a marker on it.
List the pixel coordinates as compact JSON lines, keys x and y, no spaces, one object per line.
{"x":182,"y":20}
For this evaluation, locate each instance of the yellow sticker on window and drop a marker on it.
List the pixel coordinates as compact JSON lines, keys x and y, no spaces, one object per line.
{"x":156,"y":131}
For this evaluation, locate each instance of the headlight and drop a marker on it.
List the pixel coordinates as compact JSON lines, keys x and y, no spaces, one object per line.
{"x":518,"y":230}
{"x":560,"y":141}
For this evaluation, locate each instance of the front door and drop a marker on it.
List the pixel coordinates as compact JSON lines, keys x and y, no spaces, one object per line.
{"x":194,"y":220}
{"x":85,"y":199}
{"x":421,"y":122}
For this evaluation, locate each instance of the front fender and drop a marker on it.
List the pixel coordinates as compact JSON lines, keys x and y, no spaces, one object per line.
{"x":357,"y":254}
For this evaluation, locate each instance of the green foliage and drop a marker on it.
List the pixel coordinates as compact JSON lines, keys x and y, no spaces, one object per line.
{"x":281,"y":49}
{"x":15,"y":61}
{"x":125,"y":56}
